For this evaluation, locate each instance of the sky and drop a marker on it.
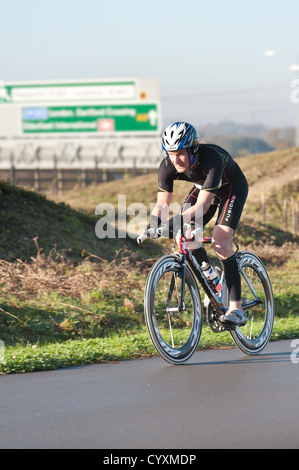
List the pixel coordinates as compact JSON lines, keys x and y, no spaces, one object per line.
{"x":207,"y":55}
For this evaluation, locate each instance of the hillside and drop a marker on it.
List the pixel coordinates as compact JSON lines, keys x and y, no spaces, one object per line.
{"x":274,"y":175}
{"x":265,"y":172}
{"x":29,"y":219}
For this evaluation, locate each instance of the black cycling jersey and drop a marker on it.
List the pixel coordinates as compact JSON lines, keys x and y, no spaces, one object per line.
{"x":213,"y":169}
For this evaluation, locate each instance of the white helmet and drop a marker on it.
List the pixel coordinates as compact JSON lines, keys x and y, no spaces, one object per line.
{"x":180,"y":135}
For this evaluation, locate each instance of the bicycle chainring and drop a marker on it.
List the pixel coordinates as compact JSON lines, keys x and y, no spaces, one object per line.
{"x":213,"y":320}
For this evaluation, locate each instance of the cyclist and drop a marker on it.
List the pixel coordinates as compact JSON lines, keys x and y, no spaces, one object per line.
{"x":218,"y":182}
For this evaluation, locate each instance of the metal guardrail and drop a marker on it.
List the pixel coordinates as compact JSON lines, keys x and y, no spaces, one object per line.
{"x":113,"y":153}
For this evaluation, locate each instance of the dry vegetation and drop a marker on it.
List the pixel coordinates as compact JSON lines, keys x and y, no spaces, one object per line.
{"x":55,"y":273}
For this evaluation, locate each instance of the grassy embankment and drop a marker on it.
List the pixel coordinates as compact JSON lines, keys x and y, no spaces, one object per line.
{"x":67,"y":297}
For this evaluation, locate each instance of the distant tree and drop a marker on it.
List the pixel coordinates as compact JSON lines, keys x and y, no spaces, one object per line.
{"x":281,"y":138}
{"x":241,"y":145}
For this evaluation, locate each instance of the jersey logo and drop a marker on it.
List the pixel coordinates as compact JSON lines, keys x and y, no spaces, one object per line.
{"x":230,"y":208}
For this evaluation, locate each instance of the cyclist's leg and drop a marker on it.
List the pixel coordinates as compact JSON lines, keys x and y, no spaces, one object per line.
{"x":199,"y":253}
{"x":228,"y":218}
{"x":223,"y":246}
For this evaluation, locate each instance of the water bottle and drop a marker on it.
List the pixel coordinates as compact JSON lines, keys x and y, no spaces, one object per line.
{"x":211,"y":274}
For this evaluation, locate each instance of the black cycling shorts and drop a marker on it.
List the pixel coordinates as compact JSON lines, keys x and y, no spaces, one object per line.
{"x":230,"y":199}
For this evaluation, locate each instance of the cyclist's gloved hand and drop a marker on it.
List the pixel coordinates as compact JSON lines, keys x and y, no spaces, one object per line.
{"x":172,"y":226}
{"x":175,"y":226}
{"x":151,"y":229}
{"x":154,"y":224}
{"x":141,"y":238}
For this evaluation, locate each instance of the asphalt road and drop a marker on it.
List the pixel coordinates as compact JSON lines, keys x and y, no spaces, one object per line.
{"x":219,"y":399}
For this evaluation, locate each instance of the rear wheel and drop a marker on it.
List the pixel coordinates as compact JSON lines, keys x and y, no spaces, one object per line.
{"x":258,"y":302}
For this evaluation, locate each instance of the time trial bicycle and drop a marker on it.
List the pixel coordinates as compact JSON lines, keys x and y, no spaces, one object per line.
{"x":173,"y":304}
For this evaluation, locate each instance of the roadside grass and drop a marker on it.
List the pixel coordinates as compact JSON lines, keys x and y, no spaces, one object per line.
{"x":116,"y":347}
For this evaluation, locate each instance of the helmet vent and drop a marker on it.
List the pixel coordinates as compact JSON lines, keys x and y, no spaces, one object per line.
{"x":180,"y":135}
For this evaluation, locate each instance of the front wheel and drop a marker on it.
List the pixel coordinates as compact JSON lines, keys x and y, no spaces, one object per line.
{"x":258,"y":302}
{"x":174,"y":331}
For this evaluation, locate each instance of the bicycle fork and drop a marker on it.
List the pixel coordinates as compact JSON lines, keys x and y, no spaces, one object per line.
{"x":172,"y":287}
{"x":183,"y":252}
{"x":182,"y":274}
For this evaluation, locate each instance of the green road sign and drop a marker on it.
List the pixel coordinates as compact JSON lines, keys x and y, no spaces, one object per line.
{"x":75,"y":91}
{"x":139,"y":117}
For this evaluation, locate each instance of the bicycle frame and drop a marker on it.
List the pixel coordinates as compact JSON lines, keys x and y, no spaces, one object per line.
{"x":219,"y":301}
